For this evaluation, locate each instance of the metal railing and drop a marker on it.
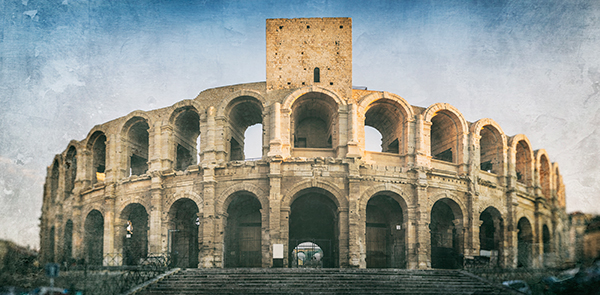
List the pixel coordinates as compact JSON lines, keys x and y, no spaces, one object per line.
{"x":112,"y":277}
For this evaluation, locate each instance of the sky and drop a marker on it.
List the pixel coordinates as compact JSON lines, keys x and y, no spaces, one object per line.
{"x":67,"y":65}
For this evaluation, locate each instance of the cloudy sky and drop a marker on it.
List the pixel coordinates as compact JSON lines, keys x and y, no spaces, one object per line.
{"x":67,"y":65}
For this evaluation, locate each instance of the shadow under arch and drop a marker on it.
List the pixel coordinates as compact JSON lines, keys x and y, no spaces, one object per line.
{"x":243,"y":227}
{"x":184,"y":223}
{"x":94,"y":238}
{"x":133,"y":233}
{"x":446,"y":234}
{"x":314,"y":217}
{"x":524,"y":243}
{"x":491,"y":234}
{"x":385,"y":232}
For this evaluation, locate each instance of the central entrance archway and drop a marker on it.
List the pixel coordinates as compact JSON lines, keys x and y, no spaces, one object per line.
{"x":314,"y":219}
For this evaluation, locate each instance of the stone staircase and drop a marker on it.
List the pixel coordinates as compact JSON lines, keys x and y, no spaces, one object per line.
{"x":321,"y":281}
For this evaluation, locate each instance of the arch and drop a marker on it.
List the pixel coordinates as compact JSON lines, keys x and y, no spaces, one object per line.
{"x":524,"y":242}
{"x":240,"y":113}
{"x":397,"y":194}
{"x":68,"y":243}
{"x":314,"y":121}
{"x":184,"y":223}
{"x":546,"y":240}
{"x":52,"y":245}
{"x":132,"y":227}
{"x":366,"y":102}
{"x":94,"y":237}
{"x":135,"y":133}
{"x":455,"y":203}
{"x":544,"y":169}
{"x":192,"y":195}
{"x":492,"y":143}
{"x":446,"y":224}
{"x":70,"y":168}
{"x":314,"y":217}
{"x":96,"y":145}
{"x":186,"y":131}
{"x":289,"y":100}
{"x":227,"y":103}
{"x":225,"y":198}
{"x":389,"y":114}
{"x":181,"y":106}
{"x":244,"y":223}
{"x":523,"y":156}
{"x":434,"y":109}
{"x":385,"y":229}
{"x":54,"y":176}
{"x":491,"y":234}
{"x":332,"y":190}
{"x":447,"y":133}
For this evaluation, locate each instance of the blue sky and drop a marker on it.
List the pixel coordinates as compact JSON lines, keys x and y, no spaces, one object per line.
{"x":65,"y":66}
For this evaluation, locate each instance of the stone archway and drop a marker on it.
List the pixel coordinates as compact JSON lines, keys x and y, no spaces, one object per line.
{"x":491,"y":235}
{"x":314,"y":218}
{"x":94,"y":238}
{"x":524,"y":243}
{"x":243,"y":231}
{"x":385,"y":233}
{"x":135,"y":240}
{"x":446,"y":234}
{"x":183,"y":233}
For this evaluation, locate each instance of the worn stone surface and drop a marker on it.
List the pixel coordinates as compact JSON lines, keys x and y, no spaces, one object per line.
{"x":441,"y":190}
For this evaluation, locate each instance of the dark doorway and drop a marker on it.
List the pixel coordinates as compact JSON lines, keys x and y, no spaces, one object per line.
{"x":243,"y":232}
{"x":524,"y":241}
{"x":51,"y":247}
{"x":385,"y":233}
{"x":445,"y":238}
{"x":183,"y":231}
{"x":135,"y":245}
{"x":68,"y":240}
{"x":490,"y":235}
{"x":314,"y":218}
{"x":94,"y":238}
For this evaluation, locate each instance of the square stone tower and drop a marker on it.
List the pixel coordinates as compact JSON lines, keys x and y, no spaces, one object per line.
{"x":310,"y":51}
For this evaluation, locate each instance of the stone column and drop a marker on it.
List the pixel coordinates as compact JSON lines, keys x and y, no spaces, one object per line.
{"x":356,"y":237}
{"x":274,"y":206}
{"x":78,"y":232}
{"x":275,"y":131}
{"x":342,"y":132}
{"x":285,"y":234}
{"x":287,"y":129}
{"x":343,"y":238}
{"x":110,"y":234}
{"x":155,"y":230}
{"x":419,"y":234}
{"x":353,"y":149}
{"x":167,"y":152}
{"x":209,"y":221}
{"x":84,"y":170}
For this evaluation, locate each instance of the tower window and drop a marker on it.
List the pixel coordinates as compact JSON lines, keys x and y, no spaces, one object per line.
{"x":317,"y":75}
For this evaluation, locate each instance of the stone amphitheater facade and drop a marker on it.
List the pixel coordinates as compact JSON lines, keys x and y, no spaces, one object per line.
{"x":174,"y":181}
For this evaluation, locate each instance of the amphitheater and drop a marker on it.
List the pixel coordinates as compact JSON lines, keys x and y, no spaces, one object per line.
{"x":174,"y":182}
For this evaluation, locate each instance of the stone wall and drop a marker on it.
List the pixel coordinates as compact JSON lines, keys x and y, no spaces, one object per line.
{"x":176,"y":178}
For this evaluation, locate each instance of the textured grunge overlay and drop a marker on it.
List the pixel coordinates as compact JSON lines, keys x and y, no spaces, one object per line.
{"x":68,"y":65}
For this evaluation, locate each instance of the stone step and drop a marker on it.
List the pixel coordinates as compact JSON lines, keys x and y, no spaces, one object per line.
{"x":321,"y":281}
